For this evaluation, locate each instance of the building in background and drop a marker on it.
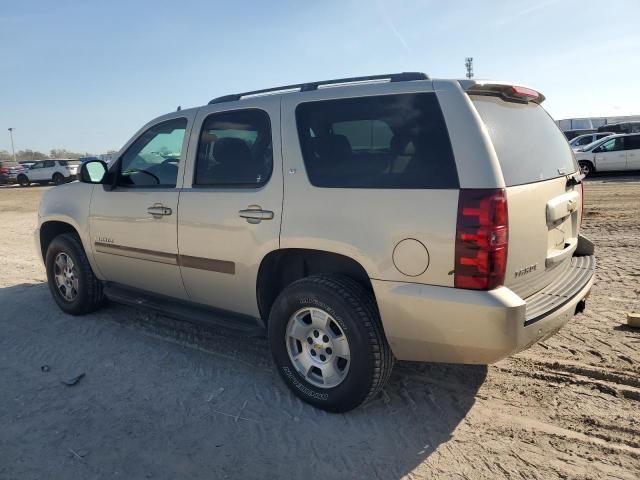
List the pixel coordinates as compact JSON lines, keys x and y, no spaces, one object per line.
{"x":592,"y":123}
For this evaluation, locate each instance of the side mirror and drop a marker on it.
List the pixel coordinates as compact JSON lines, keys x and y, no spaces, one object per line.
{"x":93,"y":171}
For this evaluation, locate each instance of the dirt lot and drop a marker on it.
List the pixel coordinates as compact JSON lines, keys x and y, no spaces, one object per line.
{"x":163,"y":399}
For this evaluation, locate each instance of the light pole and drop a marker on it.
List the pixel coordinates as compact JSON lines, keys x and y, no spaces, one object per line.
{"x":13,"y":150}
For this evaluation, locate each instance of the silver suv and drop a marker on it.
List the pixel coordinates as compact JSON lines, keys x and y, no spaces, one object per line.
{"x":357,"y":221}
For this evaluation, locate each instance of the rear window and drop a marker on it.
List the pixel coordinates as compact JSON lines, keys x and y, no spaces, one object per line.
{"x":389,"y":141}
{"x":530,"y":146}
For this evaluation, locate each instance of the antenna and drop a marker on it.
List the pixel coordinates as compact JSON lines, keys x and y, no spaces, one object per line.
{"x":468,"y":62}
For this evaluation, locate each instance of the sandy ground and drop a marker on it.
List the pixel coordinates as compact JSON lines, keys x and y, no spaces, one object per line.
{"x":163,"y":399}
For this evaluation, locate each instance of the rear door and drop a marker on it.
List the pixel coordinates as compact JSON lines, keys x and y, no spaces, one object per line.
{"x":611,"y":155}
{"x":632,"y":148}
{"x":544,"y":207}
{"x":231,"y":204}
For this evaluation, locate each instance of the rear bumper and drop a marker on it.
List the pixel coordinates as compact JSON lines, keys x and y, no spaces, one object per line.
{"x":8,"y":178}
{"x":441,"y":324}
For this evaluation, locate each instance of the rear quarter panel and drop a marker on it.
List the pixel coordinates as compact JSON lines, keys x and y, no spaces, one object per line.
{"x":364,"y":224}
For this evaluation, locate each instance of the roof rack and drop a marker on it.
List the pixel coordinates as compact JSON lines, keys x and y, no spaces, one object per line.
{"x":307,"y":87}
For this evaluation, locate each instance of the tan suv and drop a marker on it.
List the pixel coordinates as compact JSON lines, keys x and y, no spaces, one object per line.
{"x":358,"y":221}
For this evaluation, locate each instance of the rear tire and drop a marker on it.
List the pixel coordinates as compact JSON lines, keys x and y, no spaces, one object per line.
{"x":76,"y":291}
{"x":586,"y":167}
{"x":23,"y":180}
{"x":58,"y":179}
{"x":352,"y":336}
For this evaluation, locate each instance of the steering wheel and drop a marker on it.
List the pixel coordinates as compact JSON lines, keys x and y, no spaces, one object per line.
{"x":137,"y":170}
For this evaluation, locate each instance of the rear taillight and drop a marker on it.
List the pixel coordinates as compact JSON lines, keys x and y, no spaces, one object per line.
{"x":4,"y":170}
{"x":482,"y":235}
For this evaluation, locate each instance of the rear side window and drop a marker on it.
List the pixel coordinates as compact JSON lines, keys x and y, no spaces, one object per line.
{"x":390,"y":141}
{"x":235,"y":150}
{"x":530,"y":146}
{"x":63,"y":163}
{"x":632,"y":142}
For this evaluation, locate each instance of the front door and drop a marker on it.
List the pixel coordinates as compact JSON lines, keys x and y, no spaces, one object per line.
{"x":133,"y":226}
{"x":611,"y":155}
{"x":231,"y":204}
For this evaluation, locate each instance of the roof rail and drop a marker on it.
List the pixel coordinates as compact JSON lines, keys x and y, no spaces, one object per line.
{"x":307,"y":87}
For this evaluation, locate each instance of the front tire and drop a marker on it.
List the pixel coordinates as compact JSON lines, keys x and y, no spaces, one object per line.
{"x":586,"y":168}
{"x":328,"y":344}
{"x":71,"y":281}
{"x":23,"y":180}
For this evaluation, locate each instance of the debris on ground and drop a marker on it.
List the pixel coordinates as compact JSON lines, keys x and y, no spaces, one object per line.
{"x":72,"y":381}
{"x":633,"y":320}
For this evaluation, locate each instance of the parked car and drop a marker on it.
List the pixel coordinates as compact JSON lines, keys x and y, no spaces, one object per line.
{"x":47,"y":171}
{"x":414,"y":219}
{"x":9,"y":171}
{"x":584,"y":140}
{"x":571,"y":134}
{"x":613,"y":153}
{"x":622,"y":127}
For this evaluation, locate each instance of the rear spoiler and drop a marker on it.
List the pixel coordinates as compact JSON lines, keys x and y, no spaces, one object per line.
{"x":508,"y":91}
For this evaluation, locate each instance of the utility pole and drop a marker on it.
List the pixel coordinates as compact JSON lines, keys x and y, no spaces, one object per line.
{"x":469,"y":64}
{"x":13,"y":150}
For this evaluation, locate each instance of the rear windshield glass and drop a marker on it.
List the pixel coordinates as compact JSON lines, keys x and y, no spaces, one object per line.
{"x":389,"y":141}
{"x":530,"y":146}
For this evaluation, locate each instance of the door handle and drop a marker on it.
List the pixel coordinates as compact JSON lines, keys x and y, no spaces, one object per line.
{"x":159,"y":210}
{"x":255,"y":214}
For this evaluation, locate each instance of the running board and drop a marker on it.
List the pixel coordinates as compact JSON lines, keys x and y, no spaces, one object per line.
{"x":240,"y":325}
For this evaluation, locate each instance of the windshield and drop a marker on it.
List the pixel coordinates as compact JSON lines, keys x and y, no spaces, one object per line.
{"x":529,"y":145}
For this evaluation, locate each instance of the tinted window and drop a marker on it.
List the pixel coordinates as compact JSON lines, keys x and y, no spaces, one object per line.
{"x":529,"y":145}
{"x":235,"y":150}
{"x":64,"y":163}
{"x":632,"y":142}
{"x":390,"y":141}
{"x":153,"y":159}
{"x":48,"y":164}
{"x":584,"y":140}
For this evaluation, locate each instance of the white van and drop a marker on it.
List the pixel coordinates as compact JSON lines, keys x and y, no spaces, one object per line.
{"x":616,"y":152}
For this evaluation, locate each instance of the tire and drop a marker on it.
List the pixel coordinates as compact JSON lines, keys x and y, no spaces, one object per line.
{"x":88,"y":289}
{"x":352,"y":312}
{"x":57,"y":179}
{"x":23,"y":180}
{"x":586,"y":168}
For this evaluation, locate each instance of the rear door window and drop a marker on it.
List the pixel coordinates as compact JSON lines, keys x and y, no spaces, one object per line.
{"x":389,"y":141}
{"x":529,"y":145}
{"x":235,"y":150}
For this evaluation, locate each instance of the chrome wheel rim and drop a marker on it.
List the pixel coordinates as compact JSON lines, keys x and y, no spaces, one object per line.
{"x":318,"y":347}
{"x":66,"y":276}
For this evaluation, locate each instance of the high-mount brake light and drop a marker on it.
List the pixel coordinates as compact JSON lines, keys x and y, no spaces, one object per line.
{"x":482,"y":236}
{"x":524,"y":93}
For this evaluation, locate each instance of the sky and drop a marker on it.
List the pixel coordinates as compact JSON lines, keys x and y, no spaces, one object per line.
{"x":85,"y":75}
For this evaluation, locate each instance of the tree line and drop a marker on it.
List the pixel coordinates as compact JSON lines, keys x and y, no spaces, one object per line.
{"x":22,"y":155}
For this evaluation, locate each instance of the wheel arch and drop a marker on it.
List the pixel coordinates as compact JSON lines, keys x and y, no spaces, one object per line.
{"x":50,"y":229}
{"x":280,"y":268}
